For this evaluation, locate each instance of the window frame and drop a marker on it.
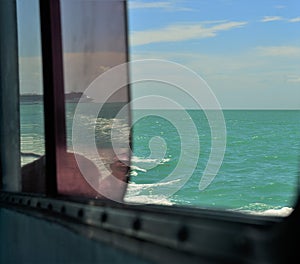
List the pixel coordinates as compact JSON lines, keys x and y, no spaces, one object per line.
{"x":53,"y":87}
{"x":9,"y":96}
{"x":177,"y":233}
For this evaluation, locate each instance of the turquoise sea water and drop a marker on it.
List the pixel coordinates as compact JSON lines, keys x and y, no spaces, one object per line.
{"x":259,"y":171}
{"x":260,"y":166}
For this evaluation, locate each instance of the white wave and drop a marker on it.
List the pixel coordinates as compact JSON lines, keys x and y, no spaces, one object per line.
{"x":135,"y":193}
{"x":137,"y":168}
{"x":284,"y":211}
{"x":148,"y":199}
{"x":133,"y":173}
{"x":137,"y":160}
{"x":133,"y":185}
{"x":144,"y":164}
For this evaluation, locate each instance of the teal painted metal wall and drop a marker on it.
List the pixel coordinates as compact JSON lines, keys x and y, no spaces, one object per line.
{"x":26,"y":239}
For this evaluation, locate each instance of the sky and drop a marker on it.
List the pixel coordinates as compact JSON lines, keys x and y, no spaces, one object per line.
{"x":248,"y":52}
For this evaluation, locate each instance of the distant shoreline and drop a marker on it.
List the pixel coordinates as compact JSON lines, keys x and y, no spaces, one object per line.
{"x":69,"y":97}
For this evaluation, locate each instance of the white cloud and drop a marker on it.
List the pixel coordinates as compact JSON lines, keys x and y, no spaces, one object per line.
{"x":271,"y":18}
{"x":158,"y":4}
{"x":280,"y":6}
{"x":279,"y":18}
{"x":294,"y":79}
{"x":181,"y":32}
{"x":136,"y":4}
{"x":293,"y":20}
{"x":279,"y":51}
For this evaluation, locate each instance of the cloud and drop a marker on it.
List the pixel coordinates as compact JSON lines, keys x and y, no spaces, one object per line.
{"x":294,"y":79}
{"x":279,"y":18}
{"x":293,"y":20}
{"x":136,"y":5}
{"x":271,"y":18}
{"x":279,"y":51}
{"x":81,"y":68}
{"x":31,"y":80}
{"x":280,"y":6}
{"x":157,"y":4}
{"x":181,"y":32}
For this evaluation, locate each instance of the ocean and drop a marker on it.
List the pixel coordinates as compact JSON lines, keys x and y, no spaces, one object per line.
{"x":258,"y":174}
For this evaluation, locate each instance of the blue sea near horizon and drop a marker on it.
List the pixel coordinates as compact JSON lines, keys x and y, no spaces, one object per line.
{"x":259,"y":172}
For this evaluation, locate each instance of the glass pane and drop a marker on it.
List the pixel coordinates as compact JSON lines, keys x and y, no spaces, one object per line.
{"x":31,"y":95}
{"x":246,"y":62}
{"x":97,"y":114}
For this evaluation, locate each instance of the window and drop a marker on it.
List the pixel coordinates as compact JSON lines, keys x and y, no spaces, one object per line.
{"x":32,"y":133}
{"x":87,"y":132}
{"x":210,"y":143}
{"x":94,"y":41}
{"x":248,"y":58}
{"x":79,"y":149}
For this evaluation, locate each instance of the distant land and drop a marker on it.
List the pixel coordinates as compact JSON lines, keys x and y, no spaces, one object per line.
{"x":72,"y":97}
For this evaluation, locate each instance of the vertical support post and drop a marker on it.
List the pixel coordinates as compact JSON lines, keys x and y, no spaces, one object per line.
{"x":9,"y":99}
{"x":126,"y":25}
{"x":54,"y":102}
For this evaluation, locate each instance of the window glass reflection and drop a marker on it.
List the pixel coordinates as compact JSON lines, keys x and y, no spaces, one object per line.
{"x":31,"y":91}
{"x":97,"y":115}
